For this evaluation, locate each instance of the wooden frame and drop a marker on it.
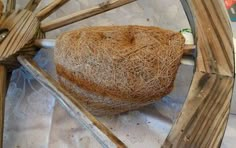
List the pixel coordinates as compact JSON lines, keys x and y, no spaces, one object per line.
{"x":203,"y":118}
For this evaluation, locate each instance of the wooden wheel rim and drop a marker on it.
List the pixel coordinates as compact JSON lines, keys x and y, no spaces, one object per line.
{"x":203,"y":118}
{"x":208,"y":103}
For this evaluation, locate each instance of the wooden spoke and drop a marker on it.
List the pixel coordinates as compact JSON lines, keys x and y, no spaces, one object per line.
{"x":53,"y":6}
{"x":203,"y":118}
{"x":32,"y":5}
{"x":3,"y":90}
{"x":66,"y":20}
{"x":71,"y":104}
{"x":215,"y":54}
{"x":23,"y":27}
{"x":11,"y":4}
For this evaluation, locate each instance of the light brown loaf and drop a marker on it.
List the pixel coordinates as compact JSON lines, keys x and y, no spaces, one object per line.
{"x":118,"y":68}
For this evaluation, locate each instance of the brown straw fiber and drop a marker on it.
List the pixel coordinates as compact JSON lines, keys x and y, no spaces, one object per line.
{"x":118,"y":68}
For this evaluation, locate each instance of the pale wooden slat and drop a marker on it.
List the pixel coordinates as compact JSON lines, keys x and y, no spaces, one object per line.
{"x":3,"y":89}
{"x":223,"y":34}
{"x":32,"y":5}
{"x":215,"y":44}
{"x":220,"y":8}
{"x":71,"y":104}
{"x":49,"y":9}
{"x":23,"y":26}
{"x":66,"y":20}
{"x":203,"y":118}
{"x":11,"y":4}
{"x":204,"y":114}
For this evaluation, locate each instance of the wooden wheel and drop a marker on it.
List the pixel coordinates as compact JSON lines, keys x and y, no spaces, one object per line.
{"x":208,"y":102}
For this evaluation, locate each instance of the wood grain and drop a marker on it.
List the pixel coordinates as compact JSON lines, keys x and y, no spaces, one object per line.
{"x":204,"y":113}
{"x":32,"y":5}
{"x":3,"y":89}
{"x":72,"y":105}
{"x":203,"y":118}
{"x":49,"y":9}
{"x":23,"y":27}
{"x":11,"y":4}
{"x":69,"y":19}
{"x":214,"y":39}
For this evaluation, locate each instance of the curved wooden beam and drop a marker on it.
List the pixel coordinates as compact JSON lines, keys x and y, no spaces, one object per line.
{"x":78,"y":16}
{"x":203,"y":118}
{"x":49,"y":9}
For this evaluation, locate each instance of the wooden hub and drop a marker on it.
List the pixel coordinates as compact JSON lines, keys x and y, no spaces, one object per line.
{"x":23,"y":27}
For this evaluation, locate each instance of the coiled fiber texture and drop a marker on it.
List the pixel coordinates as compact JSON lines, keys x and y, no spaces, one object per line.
{"x":114,"y":69}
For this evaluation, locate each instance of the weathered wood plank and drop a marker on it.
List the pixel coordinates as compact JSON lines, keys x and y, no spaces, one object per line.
{"x":78,"y":16}
{"x":23,"y":26}
{"x":214,"y":39}
{"x":49,"y":9}
{"x":32,"y":5}
{"x":3,"y":89}
{"x":189,"y":15}
{"x":100,"y":132}
{"x":11,"y":4}
{"x":203,"y":117}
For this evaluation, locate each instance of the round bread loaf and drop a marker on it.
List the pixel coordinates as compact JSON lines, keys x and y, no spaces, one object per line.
{"x":114,"y":69}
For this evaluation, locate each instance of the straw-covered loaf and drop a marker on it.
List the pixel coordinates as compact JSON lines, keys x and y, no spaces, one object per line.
{"x":118,"y":68}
